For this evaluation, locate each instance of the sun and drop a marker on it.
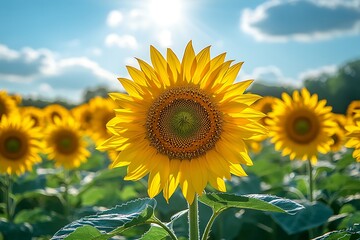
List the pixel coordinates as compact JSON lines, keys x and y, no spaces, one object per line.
{"x":166,"y":12}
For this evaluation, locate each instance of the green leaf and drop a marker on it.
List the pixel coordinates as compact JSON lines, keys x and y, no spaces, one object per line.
{"x":85,"y":232}
{"x":21,"y":231}
{"x":310,"y":217}
{"x":116,"y":219}
{"x":155,"y":232}
{"x":347,"y":234}
{"x":350,"y":220}
{"x":222,"y":201}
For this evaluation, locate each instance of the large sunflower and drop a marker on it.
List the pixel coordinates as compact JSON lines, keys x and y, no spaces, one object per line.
{"x":301,"y":126}
{"x":353,"y":134}
{"x":7,"y":104}
{"x":64,"y":143}
{"x":183,"y":123}
{"x":19,"y":145}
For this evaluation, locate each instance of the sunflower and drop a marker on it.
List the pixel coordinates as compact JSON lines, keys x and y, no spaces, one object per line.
{"x":83,"y":114}
{"x":17,"y":98}
{"x":338,"y":137}
{"x":36,"y":114}
{"x":264,"y":105}
{"x":353,"y":107}
{"x":19,"y":144}
{"x":353,"y":135}
{"x":7,"y":104}
{"x":103,"y":109}
{"x":64,"y":143}
{"x":253,"y":145}
{"x":53,"y":111}
{"x":183,"y":123}
{"x":341,"y":120}
{"x":301,"y":126}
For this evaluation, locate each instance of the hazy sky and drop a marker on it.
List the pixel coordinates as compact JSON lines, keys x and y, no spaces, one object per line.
{"x":56,"y":48}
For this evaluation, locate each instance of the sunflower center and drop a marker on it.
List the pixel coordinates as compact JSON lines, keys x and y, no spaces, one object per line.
{"x":12,"y":146}
{"x":183,"y":123}
{"x":67,"y":143}
{"x":303,"y":127}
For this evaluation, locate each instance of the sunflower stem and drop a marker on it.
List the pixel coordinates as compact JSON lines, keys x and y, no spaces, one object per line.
{"x":8,"y":198}
{"x":66,"y":193}
{"x":194,"y":219}
{"x":205,"y":236}
{"x":311,"y":181}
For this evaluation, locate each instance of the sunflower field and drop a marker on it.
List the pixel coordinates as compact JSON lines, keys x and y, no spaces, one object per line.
{"x":186,"y":152}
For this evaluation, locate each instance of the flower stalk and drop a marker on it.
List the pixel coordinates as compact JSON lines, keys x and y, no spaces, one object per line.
{"x":311,"y":181}
{"x":9,"y":202}
{"x":194,"y":219}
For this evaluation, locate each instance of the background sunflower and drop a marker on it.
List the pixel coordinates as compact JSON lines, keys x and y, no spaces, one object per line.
{"x":301,"y":126}
{"x":65,"y":143}
{"x":19,"y":145}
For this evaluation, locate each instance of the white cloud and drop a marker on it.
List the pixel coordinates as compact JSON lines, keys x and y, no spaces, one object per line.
{"x":25,"y":64}
{"x":317,"y":72}
{"x":328,"y":19}
{"x":114,"y":18}
{"x":7,"y":54}
{"x":165,"y":38}
{"x":44,"y":87}
{"x":31,"y":71}
{"x":273,"y":75}
{"x":270,"y":75}
{"x":124,"y":41}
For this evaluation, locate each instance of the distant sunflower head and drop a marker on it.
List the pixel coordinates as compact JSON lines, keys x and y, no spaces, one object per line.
{"x":103,"y":109}
{"x":183,"y":122}
{"x":353,"y":136}
{"x":265,"y":105}
{"x":83,"y":114}
{"x":7,"y":105}
{"x":19,"y":145}
{"x":353,"y":108}
{"x":36,"y":114}
{"x":253,"y":146}
{"x":64,"y":143}
{"x":301,"y":126}
{"x":338,"y":138}
{"x":53,"y":111}
{"x":17,"y":98}
{"x":341,"y":120}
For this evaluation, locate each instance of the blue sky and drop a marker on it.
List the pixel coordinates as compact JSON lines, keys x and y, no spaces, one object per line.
{"x":56,"y":49}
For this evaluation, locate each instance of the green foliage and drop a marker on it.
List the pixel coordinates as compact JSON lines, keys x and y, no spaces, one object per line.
{"x":311,"y":216}
{"x":351,"y":233}
{"x":111,"y":222}
{"x":49,"y":199}
{"x":222,"y":201}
